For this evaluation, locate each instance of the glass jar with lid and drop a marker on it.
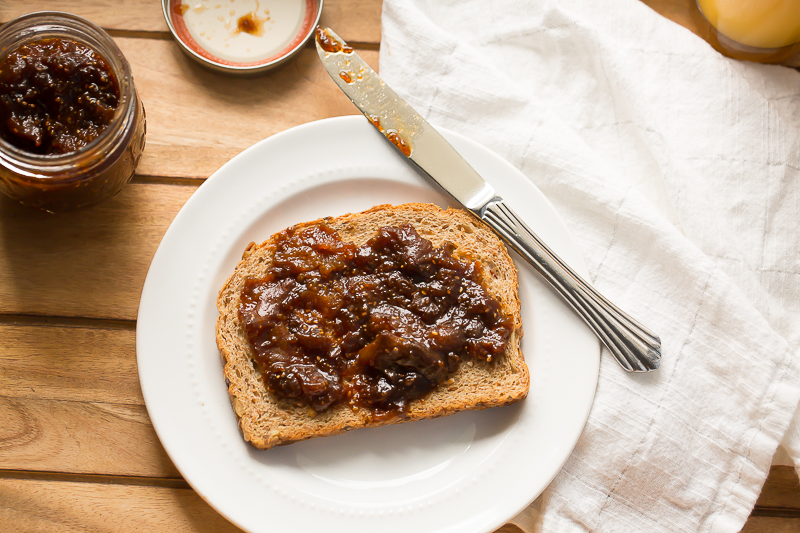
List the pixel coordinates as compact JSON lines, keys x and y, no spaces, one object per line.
{"x":86,"y":160}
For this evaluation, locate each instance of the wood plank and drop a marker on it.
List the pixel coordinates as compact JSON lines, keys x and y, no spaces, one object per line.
{"x":53,"y":506}
{"x":33,"y":505}
{"x":67,"y":506}
{"x":354,"y":20}
{"x":765,"y":524}
{"x":51,"y":372}
{"x":198,"y":119}
{"x":359,"y":20}
{"x":135,"y":15}
{"x":74,"y":363}
{"x":70,"y":402}
{"x":782,"y":489}
{"x":89,"y":263}
{"x":80,"y":437}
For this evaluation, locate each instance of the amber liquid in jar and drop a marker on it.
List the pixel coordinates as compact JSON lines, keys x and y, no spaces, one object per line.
{"x":765,"y":31}
{"x":72,"y":126}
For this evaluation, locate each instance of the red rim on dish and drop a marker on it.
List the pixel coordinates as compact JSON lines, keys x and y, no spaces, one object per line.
{"x":174,"y":11}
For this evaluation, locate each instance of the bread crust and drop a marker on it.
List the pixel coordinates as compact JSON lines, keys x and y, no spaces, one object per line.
{"x":267,"y":420}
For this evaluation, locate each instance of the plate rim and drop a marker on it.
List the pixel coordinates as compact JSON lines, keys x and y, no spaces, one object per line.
{"x":189,"y":206}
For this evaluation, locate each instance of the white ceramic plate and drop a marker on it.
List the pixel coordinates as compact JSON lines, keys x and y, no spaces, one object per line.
{"x":470,"y":472}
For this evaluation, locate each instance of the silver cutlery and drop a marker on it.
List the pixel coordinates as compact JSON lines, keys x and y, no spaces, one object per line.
{"x":635,"y":347}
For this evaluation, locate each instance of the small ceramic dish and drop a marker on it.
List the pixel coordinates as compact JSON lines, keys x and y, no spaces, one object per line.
{"x":241,"y":36}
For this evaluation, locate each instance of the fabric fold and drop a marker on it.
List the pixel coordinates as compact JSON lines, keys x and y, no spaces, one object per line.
{"x":678,"y":172}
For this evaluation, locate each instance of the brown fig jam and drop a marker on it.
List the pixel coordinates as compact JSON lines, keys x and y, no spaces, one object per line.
{"x":374,"y":326}
{"x":331,"y":44}
{"x":72,"y":126}
{"x":56,"y":96}
{"x":251,"y":24}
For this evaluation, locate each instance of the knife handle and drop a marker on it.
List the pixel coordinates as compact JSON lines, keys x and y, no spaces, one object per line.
{"x":635,"y":347}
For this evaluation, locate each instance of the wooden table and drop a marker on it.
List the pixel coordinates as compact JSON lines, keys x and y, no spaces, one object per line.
{"x":77,"y":450}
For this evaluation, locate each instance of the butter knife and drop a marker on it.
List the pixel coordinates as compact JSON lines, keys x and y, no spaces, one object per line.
{"x":635,"y":347}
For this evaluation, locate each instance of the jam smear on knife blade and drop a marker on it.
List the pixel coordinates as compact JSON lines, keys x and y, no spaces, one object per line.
{"x":331,"y":44}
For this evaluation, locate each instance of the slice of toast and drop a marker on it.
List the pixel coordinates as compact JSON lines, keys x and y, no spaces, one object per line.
{"x":267,"y":420}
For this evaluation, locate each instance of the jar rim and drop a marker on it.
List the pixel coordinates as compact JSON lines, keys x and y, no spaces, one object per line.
{"x":47,"y":24}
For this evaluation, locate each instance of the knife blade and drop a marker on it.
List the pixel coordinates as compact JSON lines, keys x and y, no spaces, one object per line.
{"x":636,"y":348}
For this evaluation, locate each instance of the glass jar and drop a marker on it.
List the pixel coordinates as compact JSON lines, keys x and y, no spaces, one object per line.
{"x":766,"y":31}
{"x":97,"y":170}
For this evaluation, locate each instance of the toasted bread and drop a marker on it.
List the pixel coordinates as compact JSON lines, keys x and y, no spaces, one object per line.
{"x":267,"y":420}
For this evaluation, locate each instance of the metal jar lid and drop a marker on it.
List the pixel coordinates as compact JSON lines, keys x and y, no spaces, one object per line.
{"x":241,"y":36}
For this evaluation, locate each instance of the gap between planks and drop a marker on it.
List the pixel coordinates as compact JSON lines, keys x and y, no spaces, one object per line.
{"x":67,"y":322}
{"x":167,"y":36}
{"x":102,"y":479}
{"x":163,"y":180}
{"x":775,"y":512}
{"x":140,"y":34}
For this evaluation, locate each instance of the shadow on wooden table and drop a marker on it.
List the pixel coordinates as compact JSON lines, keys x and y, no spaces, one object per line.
{"x":88,"y":263}
{"x":232,"y":91}
{"x":51,"y":260}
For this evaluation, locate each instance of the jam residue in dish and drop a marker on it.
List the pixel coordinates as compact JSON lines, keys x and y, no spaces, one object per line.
{"x":372,"y":326}
{"x":251,"y":23}
{"x":56,"y":96}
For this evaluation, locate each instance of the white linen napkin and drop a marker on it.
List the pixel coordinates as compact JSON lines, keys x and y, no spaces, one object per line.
{"x":678,"y":172}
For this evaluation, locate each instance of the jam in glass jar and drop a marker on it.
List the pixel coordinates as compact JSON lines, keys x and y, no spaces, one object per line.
{"x":72,"y":126}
